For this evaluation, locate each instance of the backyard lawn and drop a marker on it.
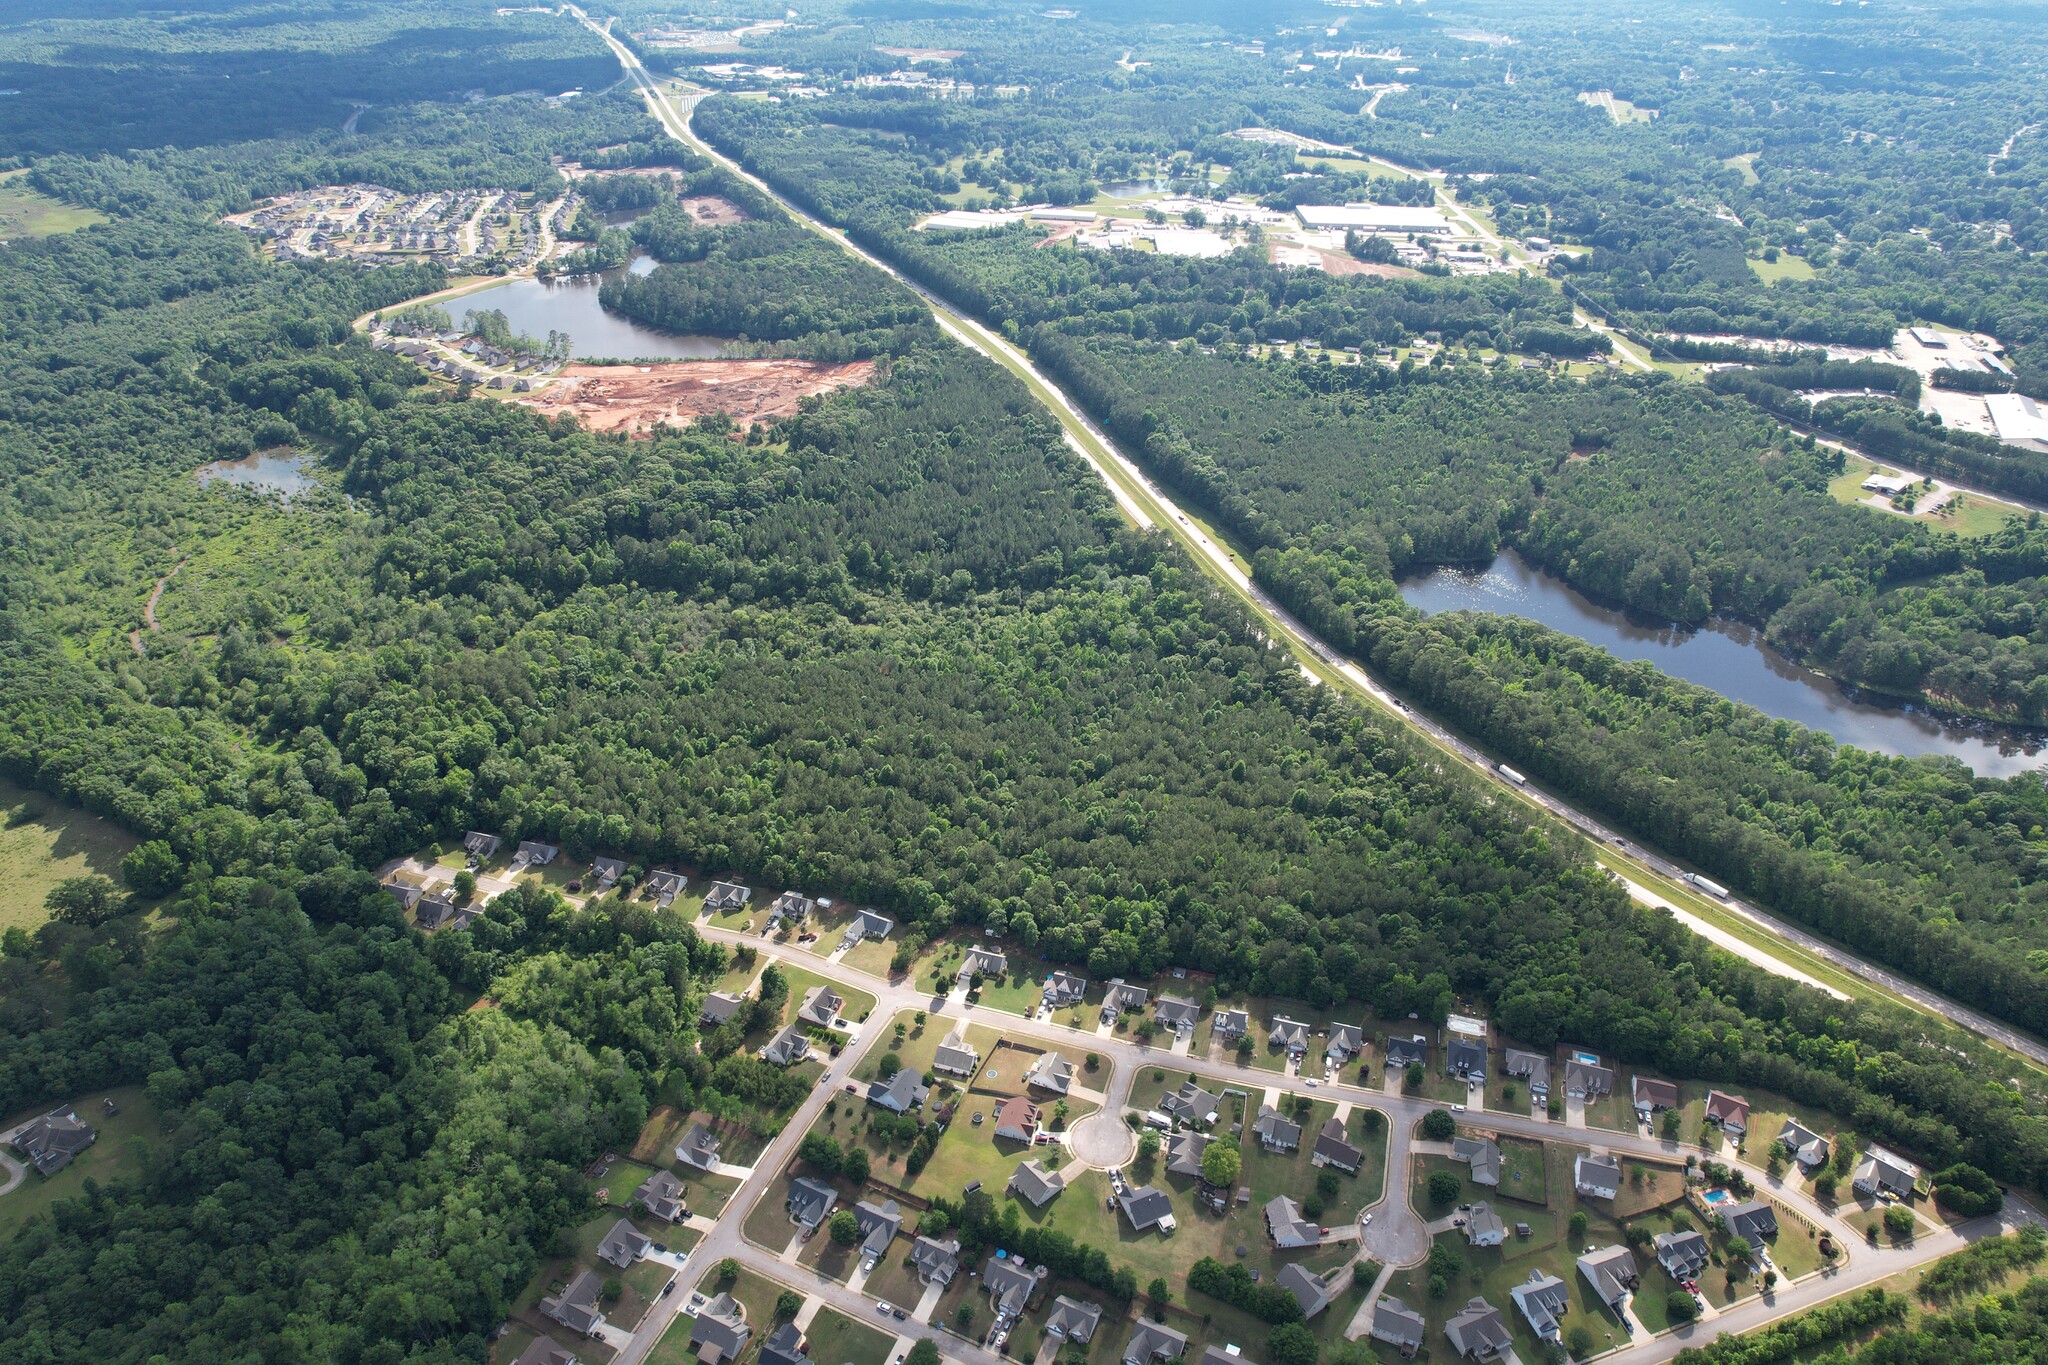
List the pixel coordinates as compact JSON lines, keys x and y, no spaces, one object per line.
{"x":834,"y":1339}
{"x":43,"y":841}
{"x":118,"y":1154}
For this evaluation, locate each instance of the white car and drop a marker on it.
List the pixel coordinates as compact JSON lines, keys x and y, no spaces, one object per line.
{"x":1457,"y":1109}
{"x":884,"y":1307}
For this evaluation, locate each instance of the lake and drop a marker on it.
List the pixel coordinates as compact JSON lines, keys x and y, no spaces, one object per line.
{"x":272,"y":471}
{"x":537,"y":307}
{"x":1730,"y":658}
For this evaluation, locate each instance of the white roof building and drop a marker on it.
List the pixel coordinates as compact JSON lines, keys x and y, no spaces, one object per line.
{"x":1378,"y":219}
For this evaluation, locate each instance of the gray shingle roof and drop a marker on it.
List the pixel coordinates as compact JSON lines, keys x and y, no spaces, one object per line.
{"x":1145,"y":1206}
{"x":1309,"y":1290}
{"x":810,"y":1202}
{"x":1072,"y":1320}
{"x":1483,"y":1157}
{"x":1035,"y":1184}
{"x":936,"y":1262}
{"x":1153,"y":1341}
{"x":1478,"y":1330}
{"x":623,"y":1245}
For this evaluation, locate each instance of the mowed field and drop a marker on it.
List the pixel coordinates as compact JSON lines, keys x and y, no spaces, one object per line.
{"x":43,"y":841}
{"x":25,"y":212}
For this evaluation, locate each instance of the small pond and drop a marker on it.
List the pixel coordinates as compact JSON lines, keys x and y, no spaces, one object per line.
{"x":536,"y":307}
{"x":270,"y":471}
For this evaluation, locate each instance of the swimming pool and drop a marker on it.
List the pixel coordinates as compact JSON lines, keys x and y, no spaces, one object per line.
{"x":1717,"y":1196}
{"x":1586,"y":1058}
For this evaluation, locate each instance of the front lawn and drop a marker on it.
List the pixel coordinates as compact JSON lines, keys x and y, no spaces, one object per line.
{"x":125,"y":1141}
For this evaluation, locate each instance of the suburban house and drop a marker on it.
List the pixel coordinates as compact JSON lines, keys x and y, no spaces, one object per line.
{"x":935,"y":1262}
{"x":1478,"y":1332}
{"x":1287,"y":1035}
{"x":983,"y":962}
{"x":1334,"y":1149}
{"x":867,"y":924}
{"x":1016,"y":1119}
{"x":1611,"y":1272}
{"x":435,"y":909}
{"x":725,"y":896}
{"x":699,"y":1148}
{"x":1120,"y":997}
{"x":1587,"y":1080}
{"x":532,"y":854}
{"x":1010,"y":1284}
{"x":1482,"y":1155}
{"x":1177,"y":1014}
{"x":1597,"y":1177}
{"x":1230,"y":1024}
{"x":791,"y":906}
{"x":1532,"y":1067}
{"x":1754,"y":1221}
{"x":1729,"y":1113}
{"x":720,"y":1006}
{"x":1682,"y":1254}
{"x":1344,"y":1042}
{"x":900,"y":1094}
{"x":1288,"y":1227}
{"x":1184,"y":1153}
{"x":1403,"y":1053}
{"x":1543,"y":1300}
{"x":665,"y":887}
{"x":810,"y":1202}
{"x":606,"y":873}
{"x":544,"y":1350}
{"x":821,"y":1007}
{"x":1063,"y":989}
{"x":876,"y":1226}
{"x":1051,"y":1073}
{"x":624,"y":1245}
{"x":1650,"y":1096}
{"x":1034,"y":1184}
{"x":480,"y":846}
{"x":1072,"y":1320}
{"x":406,"y":894}
{"x":1882,"y":1172}
{"x":1190,"y":1104}
{"x":1398,"y":1325}
{"x":1154,"y":1341}
{"x":662,"y":1195}
{"x":1807,"y":1147}
{"x":1276,"y":1133}
{"x":48,"y":1143}
{"x":1465,"y":1058}
{"x":786,"y":1048}
{"x":1147,"y":1208}
{"x":1484,"y":1227}
{"x":720,"y":1332}
{"x":1308,"y":1289}
{"x":785,"y":1346}
{"x":576,"y":1306}
{"x":955,"y":1056}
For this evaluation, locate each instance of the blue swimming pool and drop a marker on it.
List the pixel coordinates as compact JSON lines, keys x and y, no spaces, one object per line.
{"x":1717,"y":1196}
{"x":1586,"y":1058}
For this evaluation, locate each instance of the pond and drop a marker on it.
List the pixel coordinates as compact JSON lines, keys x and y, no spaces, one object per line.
{"x":1132,"y":189}
{"x":537,"y":307}
{"x":269,"y":471}
{"x":1730,"y":658}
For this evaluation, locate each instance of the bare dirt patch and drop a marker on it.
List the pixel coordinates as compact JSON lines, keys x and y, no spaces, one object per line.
{"x":1060,"y":232}
{"x":637,"y":398}
{"x":924,"y":54}
{"x":1340,"y":262}
{"x":576,"y":170}
{"x":712,"y":211}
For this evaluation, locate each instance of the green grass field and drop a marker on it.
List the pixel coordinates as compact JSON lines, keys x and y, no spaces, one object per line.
{"x":1786,"y":267}
{"x":25,"y":212}
{"x":1746,"y":164}
{"x":43,"y":841}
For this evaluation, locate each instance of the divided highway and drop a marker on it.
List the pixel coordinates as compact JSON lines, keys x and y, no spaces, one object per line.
{"x":1764,"y":939}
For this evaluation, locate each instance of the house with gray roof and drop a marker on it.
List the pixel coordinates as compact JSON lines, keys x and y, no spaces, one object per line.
{"x":1334,"y":1149}
{"x":1682,"y":1254}
{"x":1532,"y":1067}
{"x":984,"y":962}
{"x":436,"y":908}
{"x":1288,"y":1226}
{"x":1403,"y":1053}
{"x":810,"y":1202}
{"x":1478,"y":1332}
{"x":533,"y":853}
{"x":49,"y":1141}
{"x":1190,"y":1104}
{"x":1230,"y":1025}
{"x":1146,"y":1208}
{"x":900,"y":1094}
{"x":720,"y":1006}
{"x":1009,"y":1284}
{"x":624,"y":1244}
{"x":787,"y":1048}
{"x":1120,"y":997}
{"x":935,"y":1262}
{"x":480,"y":846}
{"x":1225,"y":1355}
{"x":1176,"y":1013}
{"x":662,"y":1195}
{"x":1072,"y":1320}
{"x":821,"y":1007}
{"x":545,"y":1350}
{"x":872,"y":924}
{"x":699,"y":1148}
{"x":664,"y":886}
{"x":1587,"y":1080}
{"x":791,"y":906}
{"x":1611,"y":1272}
{"x":576,"y":1306}
{"x":1398,"y":1325}
{"x":1343,"y":1042}
{"x":1543,"y":1300}
{"x":1807,"y":1147}
{"x":785,"y":1346}
{"x":1287,"y":1035}
{"x":1596,"y":1177}
{"x":727,"y":896}
{"x":406,"y":894}
{"x":877,"y":1226}
{"x":955,"y":1056}
{"x":1051,"y":1073}
{"x":1308,"y":1289}
{"x":1754,"y":1221}
{"x":1063,"y":989}
{"x":1154,"y":1341}
{"x":1484,"y":1227}
{"x":606,"y":873}
{"x":720,"y":1332}
{"x":1884,"y":1172}
{"x":1036,"y":1185}
{"x":1184,"y":1153}
{"x":1465,"y":1058}
{"x":1275,"y":1131}
{"x":1482,"y":1155}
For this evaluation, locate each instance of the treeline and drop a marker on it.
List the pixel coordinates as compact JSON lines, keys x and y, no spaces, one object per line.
{"x":1873,"y":1308}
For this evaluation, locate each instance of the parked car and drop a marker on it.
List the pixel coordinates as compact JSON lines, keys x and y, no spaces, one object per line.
{"x":884,"y":1307}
